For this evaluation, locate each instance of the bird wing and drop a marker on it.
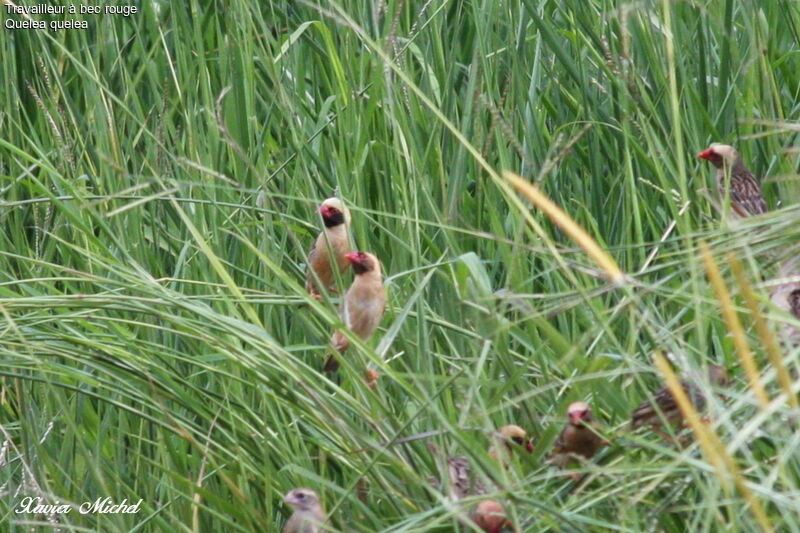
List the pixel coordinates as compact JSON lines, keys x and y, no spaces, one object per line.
{"x":746,"y":196}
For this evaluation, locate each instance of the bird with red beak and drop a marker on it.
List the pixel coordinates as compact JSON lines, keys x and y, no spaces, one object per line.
{"x":579,"y":440}
{"x":744,"y":191}
{"x":327,"y":256}
{"x":363,"y":304}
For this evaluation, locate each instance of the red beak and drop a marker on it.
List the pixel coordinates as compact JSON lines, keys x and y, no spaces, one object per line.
{"x":353,"y":257}
{"x":529,"y":446}
{"x":574,"y":418}
{"x":324,"y":210}
{"x":706,"y":154}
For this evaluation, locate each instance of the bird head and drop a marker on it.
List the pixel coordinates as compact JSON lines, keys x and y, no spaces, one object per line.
{"x":363,"y":262}
{"x":578,"y":412}
{"x":334,"y":213}
{"x":490,"y":516}
{"x":302,"y":499}
{"x":720,"y":154}
{"x":794,"y":303}
{"x":718,"y":375}
{"x":517,"y":435}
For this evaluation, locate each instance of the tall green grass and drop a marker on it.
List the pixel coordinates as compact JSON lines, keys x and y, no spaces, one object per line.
{"x":159,"y":176}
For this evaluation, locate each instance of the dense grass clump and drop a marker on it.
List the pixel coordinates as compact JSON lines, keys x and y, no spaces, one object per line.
{"x":159,"y":175}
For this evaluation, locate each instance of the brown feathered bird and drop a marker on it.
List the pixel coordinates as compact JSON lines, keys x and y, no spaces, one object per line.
{"x":662,"y":406}
{"x":490,"y":516}
{"x":745,"y":192}
{"x":578,"y":439}
{"x":333,"y":242}
{"x":308,"y":516}
{"x":463,"y":481}
{"x":363,"y":303}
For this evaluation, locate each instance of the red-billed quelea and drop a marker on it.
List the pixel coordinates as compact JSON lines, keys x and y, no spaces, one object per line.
{"x":662,"y":407}
{"x":308,"y":516}
{"x":335,"y":237}
{"x":363,"y":303}
{"x":490,"y":516}
{"x":745,"y":192}
{"x":463,"y":481}
{"x":579,"y":439}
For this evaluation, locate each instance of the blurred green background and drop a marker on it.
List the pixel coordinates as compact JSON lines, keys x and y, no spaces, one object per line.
{"x":159,"y":175}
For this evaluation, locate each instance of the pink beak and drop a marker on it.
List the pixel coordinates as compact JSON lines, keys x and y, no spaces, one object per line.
{"x":706,"y":154}
{"x":324,"y":210}
{"x":529,"y":446}
{"x":353,"y":257}
{"x":574,"y":418}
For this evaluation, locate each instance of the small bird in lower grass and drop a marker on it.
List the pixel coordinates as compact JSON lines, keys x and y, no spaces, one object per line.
{"x":662,"y":406}
{"x":786,"y":297}
{"x":507,"y":437}
{"x":336,"y":219}
{"x":308,"y":516}
{"x":363,"y":303}
{"x":490,"y":516}
{"x":579,"y":439}
{"x":745,"y":192}
{"x":463,"y":481}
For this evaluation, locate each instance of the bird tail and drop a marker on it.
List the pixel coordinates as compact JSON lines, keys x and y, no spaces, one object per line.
{"x":340,"y":344}
{"x":331,"y":364}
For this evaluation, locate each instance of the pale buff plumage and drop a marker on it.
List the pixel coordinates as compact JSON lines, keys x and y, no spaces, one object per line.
{"x":308,"y":516}
{"x":786,"y":297}
{"x":333,"y":242}
{"x":363,"y":303}
{"x":745,"y":192}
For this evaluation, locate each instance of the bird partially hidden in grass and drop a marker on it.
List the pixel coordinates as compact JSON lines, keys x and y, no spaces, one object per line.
{"x":363,"y":304}
{"x":490,"y":516}
{"x":579,"y":440}
{"x":308,"y":516}
{"x":745,"y":192}
{"x":662,"y":406}
{"x":333,"y":242}
{"x":786,"y":297}
{"x":463,"y":481}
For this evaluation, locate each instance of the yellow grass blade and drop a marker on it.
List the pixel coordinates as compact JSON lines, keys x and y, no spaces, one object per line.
{"x":559,"y":217}
{"x":734,"y":326}
{"x":710,"y":444}
{"x":767,"y":337}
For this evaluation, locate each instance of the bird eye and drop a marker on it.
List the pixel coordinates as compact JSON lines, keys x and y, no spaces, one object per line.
{"x":301,"y":496}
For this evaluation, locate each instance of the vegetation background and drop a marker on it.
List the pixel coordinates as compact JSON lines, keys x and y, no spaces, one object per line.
{"x":159,"y":175}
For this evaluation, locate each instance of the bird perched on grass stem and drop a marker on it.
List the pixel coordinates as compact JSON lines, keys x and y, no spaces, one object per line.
{"x":745,"y":192}
{"x":578,"y":439}
{"x":308,"y":516}
{"x":363,"y":304}
{"x":662,"y":406}
{"x":335,"y":236}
